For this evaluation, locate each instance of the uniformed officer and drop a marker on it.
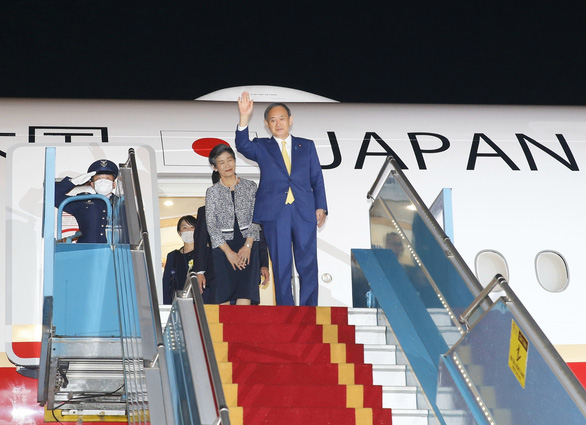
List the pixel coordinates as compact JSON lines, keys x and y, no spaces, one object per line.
{"x":91,"y":215}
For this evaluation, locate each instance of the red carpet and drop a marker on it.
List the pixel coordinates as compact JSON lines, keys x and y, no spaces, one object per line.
{"x":295,"y":373}
{"x":294,"y":366}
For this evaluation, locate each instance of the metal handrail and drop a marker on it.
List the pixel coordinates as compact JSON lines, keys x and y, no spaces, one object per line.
{"x":498,"y":279}
{"x":382,"y":176}
{"x":552,"y":358}
{"x":534,"y":333}
{"x":131,"y":162}
{"x":79,"y":198}
{"x":152,"y":342}
{"x":544,"y":346}
{"x":48,"y":275}
{"x":444,"y":241}
{"x":192,"y":288}
{"x":430,"y":279}
{"x":45,"y":357}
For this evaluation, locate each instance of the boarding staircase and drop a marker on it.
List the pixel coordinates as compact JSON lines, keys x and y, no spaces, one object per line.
{"x":103,"y":356}
{"x":474,"y":360}
{"x":423,"y":344}
{"x":303,"y":365}
{"x":294,"y":365}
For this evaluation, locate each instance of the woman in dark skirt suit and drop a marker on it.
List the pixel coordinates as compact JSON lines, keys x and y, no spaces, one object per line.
{"x":234,"y":237}
{"x":179,"y":261}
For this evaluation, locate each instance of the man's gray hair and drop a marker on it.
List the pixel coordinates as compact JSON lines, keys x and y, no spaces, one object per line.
{"x":274,"y":105}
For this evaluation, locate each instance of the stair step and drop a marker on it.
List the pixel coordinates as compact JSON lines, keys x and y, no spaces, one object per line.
{"x":259,"y":395}
{"x":450,"y":334}
{"x":281,"y":332}
{"x":299,"y":373}
{"x":362,"y":316}
{"x":380,"y":354}
{"x":440,"y":316}
{"x":410,"y":417}
{"x":288,"y":352}
{"x":390,"y":375}
{"x":164,"y":313}
{"x":400,"y":397}
{"x":310,"y":416}
{"x":281,"y":314}
{"x":290,"y":365}
{"x":371,"y":334}
{"x":461,"y":417}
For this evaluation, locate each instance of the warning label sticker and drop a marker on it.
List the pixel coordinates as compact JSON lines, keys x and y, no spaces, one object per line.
{"x":518,"y":353}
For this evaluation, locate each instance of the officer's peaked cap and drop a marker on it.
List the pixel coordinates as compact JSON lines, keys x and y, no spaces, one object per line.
{"x":104,"y":166}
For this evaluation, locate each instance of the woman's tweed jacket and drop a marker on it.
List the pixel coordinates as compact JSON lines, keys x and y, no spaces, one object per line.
{"x":220,"y":211}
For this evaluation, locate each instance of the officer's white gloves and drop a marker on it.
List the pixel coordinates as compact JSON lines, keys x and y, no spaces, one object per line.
{"x":82,"y":178}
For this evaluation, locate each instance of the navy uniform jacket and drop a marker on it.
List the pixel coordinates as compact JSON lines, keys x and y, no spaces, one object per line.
{"x":91,"y":215}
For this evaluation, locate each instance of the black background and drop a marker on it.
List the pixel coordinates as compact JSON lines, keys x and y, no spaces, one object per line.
{"x":458,"y":52}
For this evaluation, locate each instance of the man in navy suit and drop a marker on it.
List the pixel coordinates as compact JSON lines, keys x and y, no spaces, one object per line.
{"x":290,"y":200}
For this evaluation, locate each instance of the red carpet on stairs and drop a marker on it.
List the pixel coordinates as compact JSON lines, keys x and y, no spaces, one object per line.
{"x":294,"y":366}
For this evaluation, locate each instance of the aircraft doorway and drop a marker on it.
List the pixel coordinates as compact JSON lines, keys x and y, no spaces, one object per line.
{"x":171,"y":209}
{"x":177,"y":199}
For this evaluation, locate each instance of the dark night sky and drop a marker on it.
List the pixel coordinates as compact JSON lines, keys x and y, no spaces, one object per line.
{"x":444,"y":52}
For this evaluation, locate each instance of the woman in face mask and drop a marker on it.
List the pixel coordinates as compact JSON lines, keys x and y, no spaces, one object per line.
{"x":179,"y":261}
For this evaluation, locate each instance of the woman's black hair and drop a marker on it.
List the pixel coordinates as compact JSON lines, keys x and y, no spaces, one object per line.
{"x":189,"y":219}
{"x":219,"y":150}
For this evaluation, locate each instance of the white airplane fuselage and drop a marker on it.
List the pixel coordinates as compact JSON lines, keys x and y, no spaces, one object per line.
{"x":516,"y":173}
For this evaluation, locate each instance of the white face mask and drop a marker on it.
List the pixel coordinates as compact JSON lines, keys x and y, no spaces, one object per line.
{"x":187,"y":237}
{"x":103,"y":186}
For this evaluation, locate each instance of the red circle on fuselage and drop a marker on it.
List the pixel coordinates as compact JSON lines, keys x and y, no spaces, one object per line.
{"x":205,"y":145}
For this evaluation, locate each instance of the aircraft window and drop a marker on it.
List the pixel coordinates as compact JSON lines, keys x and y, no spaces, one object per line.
{"x":487,"y":264}
{"x":552,"y":271}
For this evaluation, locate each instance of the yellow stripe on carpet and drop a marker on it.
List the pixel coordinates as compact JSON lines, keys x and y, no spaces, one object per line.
{"x":338,"y":353}
{"x":346,"y":374}
{"x":354,"y":396}
{"x":363,"y":416}
{"x":323,"y":315}
{"x":330,"y":334}
{"x":221,"y":351}
{"x":236,"y":415}
{"x":231,"y":395}
{"x":229,"y":388}
{"x":212,"y":313}
{"x":216,"y":331}
{"x":225,"y":372}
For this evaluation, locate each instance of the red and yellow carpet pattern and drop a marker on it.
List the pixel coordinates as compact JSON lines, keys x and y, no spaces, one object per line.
{"x":294,"y":366}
